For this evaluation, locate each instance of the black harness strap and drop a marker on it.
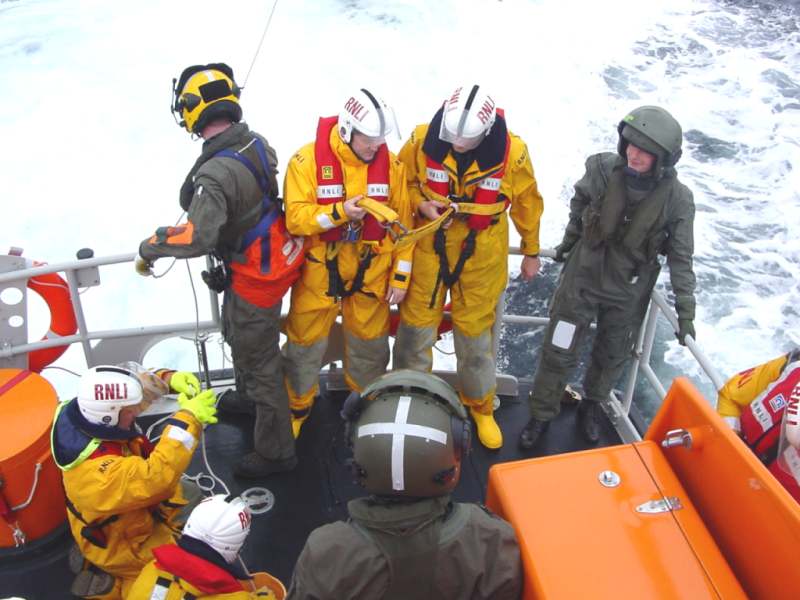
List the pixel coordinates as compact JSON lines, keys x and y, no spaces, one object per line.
{"x":336,"y":288}
{"x":92,"y":532}
{"x":445,"y":276}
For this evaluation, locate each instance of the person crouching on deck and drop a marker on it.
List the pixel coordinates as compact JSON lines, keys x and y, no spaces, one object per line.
{"x":124,"y":493}
{"x":205,"y":562}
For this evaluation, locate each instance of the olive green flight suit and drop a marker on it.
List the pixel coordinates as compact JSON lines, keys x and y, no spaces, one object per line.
{"x":614,"y":237}
{"x":430,"y":548}
{"x":223,"y":200}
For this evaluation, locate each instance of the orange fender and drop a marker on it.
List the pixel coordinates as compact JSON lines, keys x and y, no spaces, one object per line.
{"x":55,"y":292}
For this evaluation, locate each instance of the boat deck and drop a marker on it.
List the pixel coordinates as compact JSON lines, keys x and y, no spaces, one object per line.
{"x":316,"y":492}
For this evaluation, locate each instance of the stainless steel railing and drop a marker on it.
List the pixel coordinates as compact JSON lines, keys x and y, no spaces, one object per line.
{"x":132,"y":343}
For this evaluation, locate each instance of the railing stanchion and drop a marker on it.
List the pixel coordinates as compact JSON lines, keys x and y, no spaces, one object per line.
{"x":77,"y":307}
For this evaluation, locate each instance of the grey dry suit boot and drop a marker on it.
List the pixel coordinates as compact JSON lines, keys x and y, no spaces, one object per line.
{"x":254,"y":466}
{"x":90,"y":581}
{"x":532,"y":432}
{"x":233,"y":403}
{"x":588,"y":420}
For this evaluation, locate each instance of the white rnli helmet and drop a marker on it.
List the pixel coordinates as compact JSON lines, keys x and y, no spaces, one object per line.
{"x":467,"y":116}
{"x":105,"y":390}
{"x":368,"y":115}
{"x":220,"y":524}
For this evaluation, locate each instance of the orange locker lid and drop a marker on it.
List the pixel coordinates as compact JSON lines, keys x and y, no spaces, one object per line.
{"x":589,"y":526}
{"x":27,"y":406}
{"x":754,"y":521}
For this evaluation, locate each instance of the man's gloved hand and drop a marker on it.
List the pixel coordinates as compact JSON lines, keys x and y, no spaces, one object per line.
{"x":561,"y":251}
{"x":143,"y":267}
{"x":184,"y":382}
{"x":201,"y":406}
{"x":685,"y":327}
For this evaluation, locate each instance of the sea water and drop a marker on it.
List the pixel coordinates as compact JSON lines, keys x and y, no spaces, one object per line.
{"x":91,"y":156}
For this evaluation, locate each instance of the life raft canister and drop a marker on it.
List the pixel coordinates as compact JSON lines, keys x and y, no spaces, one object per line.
{"x":55,"y":292}
{"x":32,"y":501}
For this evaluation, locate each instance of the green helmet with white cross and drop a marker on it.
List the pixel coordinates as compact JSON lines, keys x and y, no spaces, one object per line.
{"x":409,"y":433}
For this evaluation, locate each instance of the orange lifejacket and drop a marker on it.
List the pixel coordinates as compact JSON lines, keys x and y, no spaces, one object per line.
{"x":487,"y":191}
{"x":330,"y":182}
{"x":268,"y":260}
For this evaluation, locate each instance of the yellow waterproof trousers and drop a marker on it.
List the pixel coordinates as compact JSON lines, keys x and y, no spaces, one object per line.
{"x":473,"y":299}
{"x":365,"y":319}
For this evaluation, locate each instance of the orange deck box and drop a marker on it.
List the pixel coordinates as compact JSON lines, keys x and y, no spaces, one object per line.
{"x":589,"y":523}
{"x":582,"y":539}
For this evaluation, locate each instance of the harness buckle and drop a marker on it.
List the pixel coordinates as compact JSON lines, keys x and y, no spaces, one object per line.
{"x":352,"y":232}
{"x":392,"y":233}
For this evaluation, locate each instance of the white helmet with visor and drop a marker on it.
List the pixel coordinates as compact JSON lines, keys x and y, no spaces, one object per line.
{"x":367,"y":114}
{"x":221,"y":524}
{"x":467,"y":117}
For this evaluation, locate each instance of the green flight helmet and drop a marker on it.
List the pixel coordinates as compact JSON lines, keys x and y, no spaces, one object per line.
{"x":654,"y":130}
{"x":409,"y":433}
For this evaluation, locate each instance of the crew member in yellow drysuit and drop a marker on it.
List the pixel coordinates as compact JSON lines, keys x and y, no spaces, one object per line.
{"x":761,"y":405}
{"x":124,"y":495}
{"x":352,"y":262}
{"x":466,"y":155}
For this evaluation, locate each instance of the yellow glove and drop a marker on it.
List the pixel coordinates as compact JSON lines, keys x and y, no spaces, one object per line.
{"x":184,"y":382}
{"x":201,"y":406}
{"x":143,"y":267}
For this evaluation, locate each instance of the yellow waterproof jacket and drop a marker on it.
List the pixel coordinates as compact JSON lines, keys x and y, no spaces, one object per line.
{"x":741,"y":389}
{"x":304,"y":214}
{"x":134,"y":500}
{"x":518,"y":184}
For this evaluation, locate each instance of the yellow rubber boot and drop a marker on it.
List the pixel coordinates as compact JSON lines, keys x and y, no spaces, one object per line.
{"x":488,"y":430}
{"x":300,"y":406}
{"x":297,"y":423}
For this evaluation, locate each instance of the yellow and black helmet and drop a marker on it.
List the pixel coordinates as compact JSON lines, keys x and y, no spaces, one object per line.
{"x":204,"y":93}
